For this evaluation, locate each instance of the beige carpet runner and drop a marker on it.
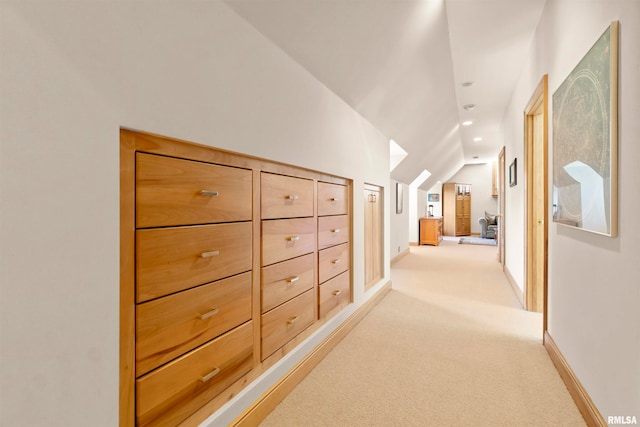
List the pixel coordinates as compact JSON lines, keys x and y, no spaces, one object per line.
{"x":449,"y":346}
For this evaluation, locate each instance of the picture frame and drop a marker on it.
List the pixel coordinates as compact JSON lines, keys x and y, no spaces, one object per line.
{"x":585,"y":141}
{"x":513,"y":173}
{"x":433,"y":197}
{"x":399,"y":198}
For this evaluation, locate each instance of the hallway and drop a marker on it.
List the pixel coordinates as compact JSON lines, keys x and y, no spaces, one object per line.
{"x":448,"y":346}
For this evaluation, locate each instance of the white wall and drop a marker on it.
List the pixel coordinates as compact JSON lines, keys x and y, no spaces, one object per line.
{"x":593,"y":279}
{"x":480,"y":177}
{"x":72,"y":74}
{"x":437,"y":206}
{"x":399,"y":235}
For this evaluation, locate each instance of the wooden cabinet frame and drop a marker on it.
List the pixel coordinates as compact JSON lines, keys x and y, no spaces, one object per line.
{"x":132,"y":142}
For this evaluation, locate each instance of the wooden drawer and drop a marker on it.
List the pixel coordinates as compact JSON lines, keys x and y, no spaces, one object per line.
{"x":333,"y":261}
{"x":169,"y":394}
{"x":169,"y":192}
{"x":173,"y":259}
{"x":283,"y":323}
{"x":333,"y":230}
{"x":285,"y":280}
{"x":332,"y":199}
{"x":334,"y":293}
{"x":170,"y":326}
{"x":287,"y":238}
{"x":286,"y":196}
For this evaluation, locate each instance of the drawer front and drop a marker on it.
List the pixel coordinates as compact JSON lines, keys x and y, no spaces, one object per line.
{"x":333,"y":261}
{"x":169,"y":394}
{"x":170,"y":326}
{"x":183,"y":192}
{"x":285,"y":280}
{"x":333,"y":230}
{"x":334,"y":293}
{"x":332,"y":199}
{"x":173,"y":259}
{"x":285,"y":196}
{"x":283,"y":323}
{"x":287,"y":238}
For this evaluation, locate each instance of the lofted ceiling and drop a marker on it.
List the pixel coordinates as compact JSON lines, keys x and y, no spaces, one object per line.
{"x":402,"y":65}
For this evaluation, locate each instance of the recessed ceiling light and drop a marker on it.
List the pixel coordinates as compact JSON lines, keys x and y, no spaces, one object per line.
{"x":469,"y":107}
{"x":467,"y":123}
{"x":477,"y":139}
{"x":475,"y":157}
{"x":467,"y":84}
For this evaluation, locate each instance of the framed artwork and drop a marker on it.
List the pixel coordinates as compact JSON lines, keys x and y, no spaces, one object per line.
{"x":513,"y":173}
{"x":399,"y":198}
{"x":433,"y":197}
{"x":585,"y":141}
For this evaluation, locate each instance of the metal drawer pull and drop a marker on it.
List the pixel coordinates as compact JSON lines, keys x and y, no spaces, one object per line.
{"x":293,"y":279}
{"x":209,"y":254}
{"x":293,"y":238}
{"x":292,"y":320}
{"x":210,"y":375}
{"x":292,"y":197}
{"x":209,"y":193}
{"x":334,"y":199}
{"x":208,"y":314}
{"x":335,"y":230}
{"x":336,"y":261}
{"x":337,"y":292}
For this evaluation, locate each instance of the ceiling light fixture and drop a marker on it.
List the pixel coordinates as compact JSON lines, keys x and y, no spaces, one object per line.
{"x":477,"y":139}
{"x":469,"y":107}
{"x":467,"y":123}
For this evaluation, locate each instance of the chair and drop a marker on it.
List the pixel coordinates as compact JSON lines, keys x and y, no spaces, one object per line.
{"x":488,"y":225}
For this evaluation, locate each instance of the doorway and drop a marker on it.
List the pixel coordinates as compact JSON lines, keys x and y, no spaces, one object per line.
{"x":536,"y":188}
{"x":501,"y":204}
{"x":373,"y":229}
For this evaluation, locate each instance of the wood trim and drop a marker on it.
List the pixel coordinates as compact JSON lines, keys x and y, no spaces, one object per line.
{"x":585,"y":405}
{"x":257,"y":412}
{"x":538,"y":104}
{"x":400,"y":256}
{"x":127,"y":280}
{"x":413,"y":244}
{"x":514,"y":286}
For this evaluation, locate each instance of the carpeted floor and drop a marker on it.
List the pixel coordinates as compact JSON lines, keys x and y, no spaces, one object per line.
{"x":449,"y":346}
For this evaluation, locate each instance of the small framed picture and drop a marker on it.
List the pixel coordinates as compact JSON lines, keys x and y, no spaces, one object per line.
{"x":433,"y":197}
{"x":513,"y":173}
{"x":399,"y":198}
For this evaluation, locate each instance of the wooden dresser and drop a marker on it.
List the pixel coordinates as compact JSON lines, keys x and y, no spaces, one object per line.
{"x":430,"y":231}
{"x":227,"y":263}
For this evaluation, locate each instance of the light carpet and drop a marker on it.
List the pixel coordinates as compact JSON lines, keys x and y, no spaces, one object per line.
{"x":449,"y":346}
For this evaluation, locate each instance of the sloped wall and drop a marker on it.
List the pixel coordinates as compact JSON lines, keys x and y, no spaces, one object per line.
{"x":72,"y":74}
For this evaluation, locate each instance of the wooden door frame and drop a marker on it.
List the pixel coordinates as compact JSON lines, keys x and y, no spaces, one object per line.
{"x":501,"y":206}
{"x":538,"y":100}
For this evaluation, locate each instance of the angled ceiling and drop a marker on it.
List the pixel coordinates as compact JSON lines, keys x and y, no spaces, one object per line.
{"x":401,"y":64}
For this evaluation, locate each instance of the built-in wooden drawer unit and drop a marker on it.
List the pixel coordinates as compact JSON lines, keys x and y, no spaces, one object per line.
{"x":172,"y":191}
{"x":333,"y":261}
{"x":284,"y":322}
{"x":332,"y":199}
{"x":173,"y":259}
{"x":287,"y":238}
{"x":285,"y":280}
{"x":334,"y":293}
{"x":170,"y":326}
{"x":170,"y":393}
{"x":332,"y":230}
{"x":226,"y":263}
{"x":286,"y":196}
